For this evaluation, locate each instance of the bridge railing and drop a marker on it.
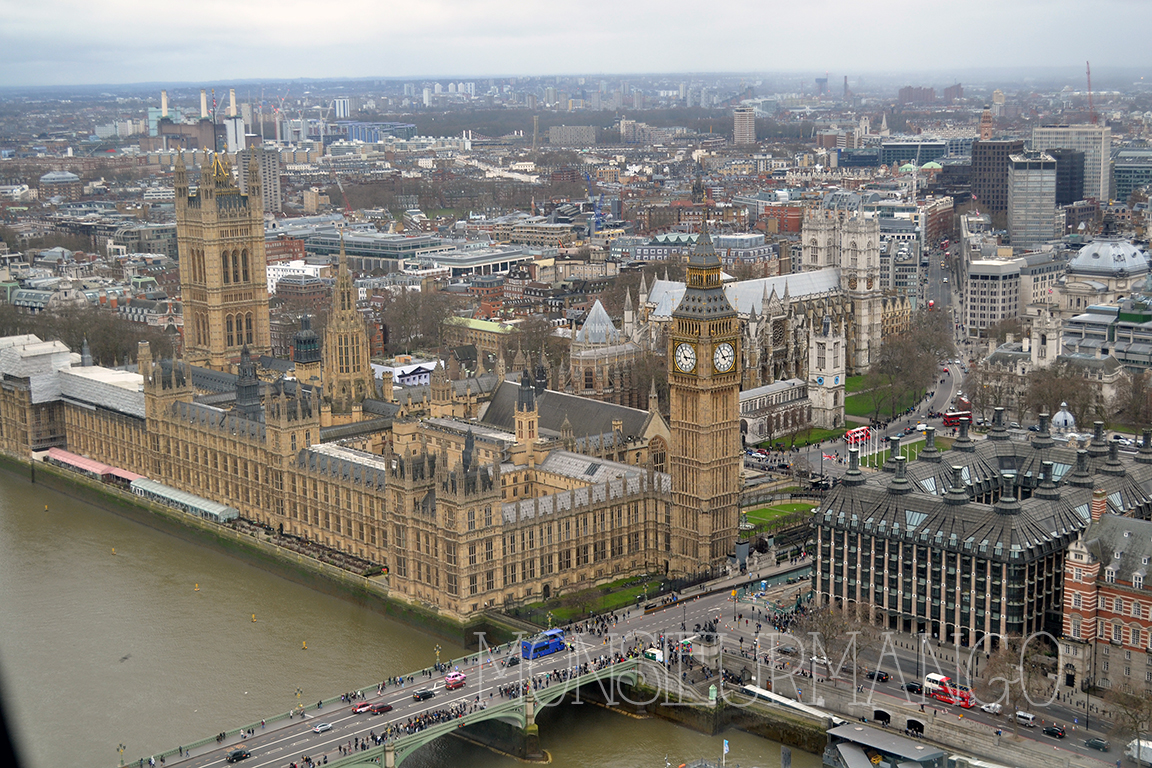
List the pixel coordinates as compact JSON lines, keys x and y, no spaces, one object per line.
{"x":472,"y":659}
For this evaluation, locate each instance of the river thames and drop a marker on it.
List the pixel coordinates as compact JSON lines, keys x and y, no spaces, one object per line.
{"x":114,"y":633}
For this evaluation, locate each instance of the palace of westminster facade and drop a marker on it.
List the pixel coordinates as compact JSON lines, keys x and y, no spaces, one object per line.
{"x":463,"y":513}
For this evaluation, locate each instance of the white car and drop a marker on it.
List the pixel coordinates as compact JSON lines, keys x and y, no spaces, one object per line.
{"x":992,"y":709}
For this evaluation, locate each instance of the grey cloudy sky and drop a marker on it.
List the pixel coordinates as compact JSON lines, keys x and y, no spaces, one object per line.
{"x":50,"y":42}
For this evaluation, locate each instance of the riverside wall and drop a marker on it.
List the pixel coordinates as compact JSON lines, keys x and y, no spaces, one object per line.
{"x":258,"y":549}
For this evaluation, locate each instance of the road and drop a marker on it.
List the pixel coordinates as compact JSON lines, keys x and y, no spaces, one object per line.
{"x":290,"y":740}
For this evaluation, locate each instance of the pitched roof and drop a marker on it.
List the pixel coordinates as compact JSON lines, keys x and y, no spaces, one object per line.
{"x":593,"y":417}
{"x":598,"y":327}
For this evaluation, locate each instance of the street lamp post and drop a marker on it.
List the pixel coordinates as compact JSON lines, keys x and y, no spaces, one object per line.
{"x":437,"y":657}
{"x":299,"y":706}
{"x":549,"y":619}
{"x":120,"y":748}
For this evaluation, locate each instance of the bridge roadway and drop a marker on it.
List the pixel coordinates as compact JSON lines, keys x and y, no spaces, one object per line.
{"x":285,"y":741}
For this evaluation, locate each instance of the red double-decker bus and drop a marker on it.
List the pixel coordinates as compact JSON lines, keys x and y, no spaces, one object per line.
{"x":945,"y":689}
{"x":858,"y":435}
{"x":952,"y":418}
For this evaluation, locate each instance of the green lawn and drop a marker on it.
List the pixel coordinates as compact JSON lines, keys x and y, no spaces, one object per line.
{"x":853,"y":384}
{"x":608,"y":598}
{"x":806,"y":437}
{"x":861,"y":405}
{"x":776,"y":511}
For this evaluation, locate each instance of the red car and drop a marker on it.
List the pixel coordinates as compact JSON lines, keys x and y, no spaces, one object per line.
{"x":363,"y":706}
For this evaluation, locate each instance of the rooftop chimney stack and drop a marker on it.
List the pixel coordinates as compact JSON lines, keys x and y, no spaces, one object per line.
{"x":203,"y":104}
{"x":163,"y":104}
{"x":232,"y":102}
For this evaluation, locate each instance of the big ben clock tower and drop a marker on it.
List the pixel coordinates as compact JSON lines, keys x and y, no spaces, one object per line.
{"x":704,"y":389}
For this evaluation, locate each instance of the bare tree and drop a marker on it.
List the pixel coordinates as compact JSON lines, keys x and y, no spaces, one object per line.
{"x":1133,"y":400}
{"x":1015,"y":676}
{"x":1131,"y":712}
{"x":840,"y":634}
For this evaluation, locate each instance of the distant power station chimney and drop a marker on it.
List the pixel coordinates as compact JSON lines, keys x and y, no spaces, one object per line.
{"x":203,"y":104}
{"x":845,"y":87}
{"x":232,"y":99}
{"x":163,"y":103}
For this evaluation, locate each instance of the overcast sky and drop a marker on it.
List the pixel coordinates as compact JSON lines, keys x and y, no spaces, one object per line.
{"x":63,"y":42}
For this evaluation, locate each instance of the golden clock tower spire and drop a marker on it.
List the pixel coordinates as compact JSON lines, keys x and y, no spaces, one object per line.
{"x":704,"y":393}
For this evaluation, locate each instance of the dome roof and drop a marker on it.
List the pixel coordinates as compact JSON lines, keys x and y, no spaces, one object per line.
{"x":907,"y":168}
{"x":1064,"y":421}
{"x":931,"y":165}
{"x":1109,"y":256}
{"x":59,"y":177}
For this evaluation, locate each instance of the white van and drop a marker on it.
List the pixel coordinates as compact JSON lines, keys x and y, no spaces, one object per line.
{"x":1026,"y":719}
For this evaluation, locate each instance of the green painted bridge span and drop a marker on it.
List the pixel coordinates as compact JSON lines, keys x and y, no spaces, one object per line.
{"x":519,"y":712}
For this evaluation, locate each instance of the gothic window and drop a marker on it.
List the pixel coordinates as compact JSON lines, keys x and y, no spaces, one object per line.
{"x":659,"y":454}
{"x":588,"y":382}
{"x":248,"y":328}
{"x":235,"y":267}
{"x":244,"y":264}
{"x":820,"y":355}
{"x":231,"y":337}
{"x":224,"y":266}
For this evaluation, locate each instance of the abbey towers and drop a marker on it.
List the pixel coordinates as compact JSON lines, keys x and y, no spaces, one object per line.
{"x":849,"y":240}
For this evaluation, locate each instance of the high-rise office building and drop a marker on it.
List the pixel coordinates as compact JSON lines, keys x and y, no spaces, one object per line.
{"x":1069,"y":175}
{"x":744,"y":132}
{"x":990,"y":175}
{"x":1131,"y":168}
{"x":268,"y":166}
{"x":1031,"y":198}
{"x":1095,"y":141}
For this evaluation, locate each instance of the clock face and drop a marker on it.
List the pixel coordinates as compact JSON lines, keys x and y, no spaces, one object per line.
{"x":724,"y":357}
{"x":686,"y":358}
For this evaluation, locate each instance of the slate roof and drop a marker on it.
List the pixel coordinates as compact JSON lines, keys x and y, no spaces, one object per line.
{"x":747,"y":296}
{"x":1047,"y":520}
{"x":588,"y":417}
{"x":1131,"y":539}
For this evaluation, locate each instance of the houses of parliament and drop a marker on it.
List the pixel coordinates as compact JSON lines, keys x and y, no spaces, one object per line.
{"x":468,"y":504}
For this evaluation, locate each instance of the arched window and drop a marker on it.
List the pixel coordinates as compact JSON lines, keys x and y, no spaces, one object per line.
{"x":235,"y":267}
{"x":659,"y":451}
{"x":244,"y":264}
{"x":224,"y":266}
{"x":248,"y":328}
{"x":231,"y":338}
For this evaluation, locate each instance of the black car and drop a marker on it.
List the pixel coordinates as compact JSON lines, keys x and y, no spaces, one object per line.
{"x":1097,"y":743}
{"x":237,"y":755}
{"x":423,"y":694}
{"x":879,"y":676}
{"x":1056,"y":731}
{"x":913,"y":687}
{"x":381,"y":708}
{"x":512,"y":661}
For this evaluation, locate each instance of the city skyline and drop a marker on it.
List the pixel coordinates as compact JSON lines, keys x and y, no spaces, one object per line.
{"x":126,"y":41}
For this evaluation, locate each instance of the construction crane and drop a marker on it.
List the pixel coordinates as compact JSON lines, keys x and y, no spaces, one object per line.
{"x":597,"y":220}
{"x":325,"y":112}
{"x":276,"y":112}
{"x":1091,"y":109}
